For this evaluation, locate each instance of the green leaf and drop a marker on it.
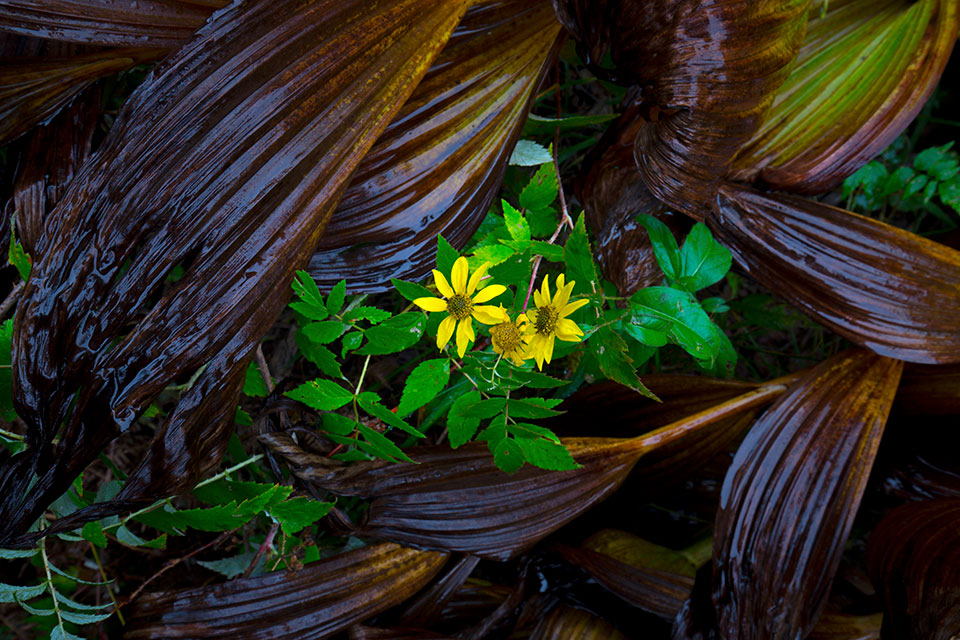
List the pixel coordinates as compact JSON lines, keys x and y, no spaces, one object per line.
{"x":508,"y":455}
{"x":13,"y":593}
{"x":6,"y":375}
{"x":486,"y":408}
{"x":17,"y":256}
{"x":253,"y":383}
{"x":72,"y":578}
{"x":423,"y":384}
{"x":897,"y":181}
{"x":615,"y":363}
{"x":665,"y":248}
{"x":868,"y":178}
{"x":14,"y":554}
{"x":552,"y":252}
{"x":129,"y":538}
{"x":937,"y":162}
{"x":679,"y":315}
{"x":93,"y":532}
{"x":542,"y":189}
{"x":338,"y":424}
{"x":350,"y":341}
{"x":533,"y":408}
{"x":297,"y":513}
{"x":949,"y":192}
{"x":372,"y":315}
{"x":323,"y":332}
{"x":543,"y":222}
{"x":517,"y":226}
{"x":335,"y":297}
{"x":311,"y":301}
{"x":370,"y":402}
{"x":529,"y":154}
{"x":324,"y":359}
{"x":37,"y":611}
{"x":242,"y":418}
{"x":545,"y":454}
{"x":375,"y":443}
{"x":324,"y":395}
{"x":59,"y":633}
{"x":80,"y":606}
{"x":232,"y":491}
{"x":83,"y":618}
{"x":579,"y":257}
{"x":703,"y":260}
{"x":446,"y":256}
{"x":234,"y":565}
{"x":494,"y":254}
{"x":396,"y":334}
{"x":410,"y":290}
{"x":540,"y":124}
{"x":460,"y":427}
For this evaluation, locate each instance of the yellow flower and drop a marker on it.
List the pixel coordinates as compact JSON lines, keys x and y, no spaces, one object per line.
{"x":549,"y":320}
{"x":457,"y":301}
{"x":507,"y":338}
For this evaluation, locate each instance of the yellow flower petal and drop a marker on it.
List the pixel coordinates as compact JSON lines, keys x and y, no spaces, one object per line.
{"x":465,"y":335}
{"x":489,"y":314}
{"x":431,"y":304}
{"x":568,"y":331}
{"x":548,"y":350}
{"x":538,"y":299}
{"x":442,"y":285}
{"x":564,"y":311}
{"x":445,"y":331}
{"x":563,"y":293}
{"x":458,"y":276}
{"x":491,"y":292}
{"x":476,"y":278}
{"x":558,"y":283}
{"x":544,"y":292}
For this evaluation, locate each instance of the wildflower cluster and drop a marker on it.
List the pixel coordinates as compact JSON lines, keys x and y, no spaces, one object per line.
{"x":531,"y":335}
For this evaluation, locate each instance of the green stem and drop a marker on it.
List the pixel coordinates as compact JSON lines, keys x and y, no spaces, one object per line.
{"x":10,"y":435}
{"x":50,"y":587}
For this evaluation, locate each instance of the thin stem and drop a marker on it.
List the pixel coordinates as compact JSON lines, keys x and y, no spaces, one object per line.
{"x":264,"y":369}
{"x":267,"y":543}
{"x":50,"y":587}
{"x":103,"y":574}
{"x":363,"y":374}
{"x":12,"y":299}
{"x":10,"y":435}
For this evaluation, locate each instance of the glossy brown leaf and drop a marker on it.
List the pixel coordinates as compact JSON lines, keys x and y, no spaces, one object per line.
{"x":315,"y":601}
{"x":427,"y":606}
{"x":134,"y":23}
{"x":838,"y":626}
{"x":914,"y":561}
{"x":34,"y":89}
{"x":881,"y":287}
{"x":715,"y":66}
{"x":228,"y":161}
{"x":438,"y":166}
{"x":790,"y":497}
{"x":458,"y":500}
{"x":568,"y":623}
{"x":865,"y":70}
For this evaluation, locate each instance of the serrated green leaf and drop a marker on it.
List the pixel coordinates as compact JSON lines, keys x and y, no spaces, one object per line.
{"x":529,"y":154}
{"x":372,"y":315}
{"x":37,"y":611}
{"x":527,"y":430}
{"x":225,"y":491}
{"x":350,"y":341}
{"x":615,"y":363}
{"x":233,"y":566}
{"x":253,"y":383}
{"x":15,"y":554}
{"x":311,"y":301}
{"x":83,"y":618}
{"x":396,"y":334}
{"x":665,"y":247}
{"x":375,"y":443}
{"x":324,"y":359}
{"x":543,"y":222}
{"x":542,"y":189}
{"x":80,"y":606}
{"x":703,"y":260}
{"x":11,"y":592}
{"x":129,"y":538}
{"x":336,"y":297}
{"x":370,"y":402}
{"x":323,"y":332}
{"x":411,"y":290}
{"x":533,"y":408}
{"x":508,"y":455}
{"x":486,"y":408}
{"x":63,"y":573}
{"x":460,"y":427}
{"x":59,"y":633}
{"x":93,"y":532}
{"x":423,"y":384}
{"x":494,"y":254}
{"x":6,"y":376}
{"x":949,"y":192}
{"x":537,"y":380}
{"x":545,"y":454}
{"x":579,"y":257}
{"x":17,"y":256}
{"x":552,"y":252}
{"x":242,"y":418}
{"x":938,"y":162}
{"x":541,"y":124}
{"x":446,"y":256}
{"x":297,"y":513}
{"x":324,"y":395}
{"x":516,"y":225}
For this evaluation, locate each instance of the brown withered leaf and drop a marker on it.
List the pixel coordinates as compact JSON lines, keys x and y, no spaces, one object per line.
{"x":52,"y":156}
{"x":568,"y":623}
{"x":865,"y":70}
{"x":790,"y":497}
{"x":427,"y":606}
{"x":716,"y":66}
{"x":881,"y":287}
{"x":914,"y":561}
{"x":228,"y":162}
{"x":458,"y":500}
{"x":438,"y":166}
{"x":132,"y":23}
{"x":927,"y":390}
{"x":316,"y":601}
{"x":839,"y":626}
{"x":33,"y":89}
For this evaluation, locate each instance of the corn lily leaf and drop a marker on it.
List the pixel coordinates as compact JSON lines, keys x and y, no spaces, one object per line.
{"x":929,"y":390}
{"x":458,"y":500}
{"x":714,"y":69}
{"x":881,"y":287}
{"x":865,"y":70}
{"x":316,"y":601}
{"x":839,"y":626}
{"x":33,"y":89}
{"x":438,"y":166}
{"x":913,"y":558}
{"x":228,"y":161}
{"x":790,"y":497}
{"x":133,"y":23}
{"x":429,"y":604}
{"x":568,"y":622}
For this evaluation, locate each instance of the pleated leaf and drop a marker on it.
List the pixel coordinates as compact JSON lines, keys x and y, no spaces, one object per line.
{"x":574,"y":624}
{"x":881,"y":287}
{"x":914,"y":561}
{"x":790,"y":497}
{"x":865,"y":70}
{"x":228,"y":162}
{"x":439,"y":164}
{"x":315,"y":601}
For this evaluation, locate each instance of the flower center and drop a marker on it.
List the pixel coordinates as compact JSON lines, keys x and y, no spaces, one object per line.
{"x":460,"y":306}
{"x":506,"y":337}
{"x":546,"y":320}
